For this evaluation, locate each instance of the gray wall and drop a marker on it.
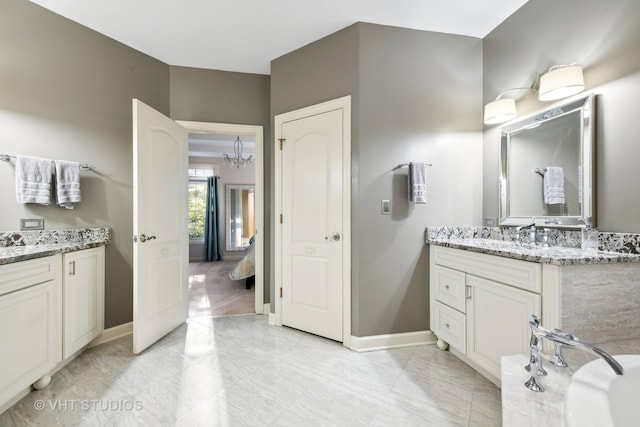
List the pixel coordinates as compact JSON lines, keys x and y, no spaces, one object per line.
{"x":603,"y":38}
{"x":416,"y":97}
{"x":65,"y":93}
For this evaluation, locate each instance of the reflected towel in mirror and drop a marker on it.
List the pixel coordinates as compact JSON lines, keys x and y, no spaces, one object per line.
{"x":553,"y":183}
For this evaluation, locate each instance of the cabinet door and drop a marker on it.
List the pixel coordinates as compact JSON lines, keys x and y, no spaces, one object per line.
{"x":83,"y":289}
{"x":498,"y":322}
{"x":28,"y":337}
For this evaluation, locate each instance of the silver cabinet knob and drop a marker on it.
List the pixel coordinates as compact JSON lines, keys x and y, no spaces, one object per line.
{"x":144,"y":238}
{"x":335,"y":237}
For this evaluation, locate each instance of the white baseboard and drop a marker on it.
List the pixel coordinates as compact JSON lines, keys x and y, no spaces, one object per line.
{"x":272,"y":319}
{"x":112,"y":334}
{"x":383,"y":342}
{"x":266,"y":309}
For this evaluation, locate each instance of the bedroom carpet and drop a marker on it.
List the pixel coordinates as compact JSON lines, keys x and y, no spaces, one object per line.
{"x":213,"y":293}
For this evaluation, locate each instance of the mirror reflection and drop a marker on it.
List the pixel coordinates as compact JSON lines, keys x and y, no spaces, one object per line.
{"x":546,"y":166}
{"x":240,"y":224}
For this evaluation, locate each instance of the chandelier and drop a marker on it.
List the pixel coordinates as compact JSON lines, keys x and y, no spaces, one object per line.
{"x":237,"y":160}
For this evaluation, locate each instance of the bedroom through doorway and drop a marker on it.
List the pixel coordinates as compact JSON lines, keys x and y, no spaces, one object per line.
{"x":225,"y":272}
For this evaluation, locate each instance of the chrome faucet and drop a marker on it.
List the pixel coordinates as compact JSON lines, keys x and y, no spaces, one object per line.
{"x":560,"y":339}
{"x":532,"y":230}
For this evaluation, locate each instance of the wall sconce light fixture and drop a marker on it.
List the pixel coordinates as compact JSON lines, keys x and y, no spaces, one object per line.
{"x":560,"y":81}
{"x":501,"y":109}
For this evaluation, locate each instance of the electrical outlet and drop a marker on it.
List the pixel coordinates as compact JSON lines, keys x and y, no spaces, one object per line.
{"x":490,"y":221}
{"x":32,"y":224}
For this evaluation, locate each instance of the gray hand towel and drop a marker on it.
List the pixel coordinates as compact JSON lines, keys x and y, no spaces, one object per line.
{"x":418,"y":183}
{"x":553,"y":181}
{"x":67,"y":183}
{"x":33,"y":180}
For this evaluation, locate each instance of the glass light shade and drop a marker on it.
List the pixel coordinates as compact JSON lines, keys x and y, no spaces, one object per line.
{"x":500,"y":111}
{"x":560,"y":83}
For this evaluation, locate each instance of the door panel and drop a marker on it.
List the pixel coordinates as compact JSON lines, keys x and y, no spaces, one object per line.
{"x":312,"y":168}
{"x":160,"y":289}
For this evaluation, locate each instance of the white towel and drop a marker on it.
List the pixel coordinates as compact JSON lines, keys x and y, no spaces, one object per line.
{"x":33,"y":180}
{"x":67,"y":183}
{"x":553,"y":185}
{"x":418,"y":183}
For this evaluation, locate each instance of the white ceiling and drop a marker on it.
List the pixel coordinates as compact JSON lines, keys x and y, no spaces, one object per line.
{"x":209,"y":144}
{"x":245,"y":35}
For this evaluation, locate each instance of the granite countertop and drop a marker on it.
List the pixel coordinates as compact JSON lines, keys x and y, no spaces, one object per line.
{"x":547,"y":255}
{"x":563,"y":245}
{"x":523,"y":407}
{"x":16,"y":246}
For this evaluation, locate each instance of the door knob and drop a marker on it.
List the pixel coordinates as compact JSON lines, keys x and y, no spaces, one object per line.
{"x":144,"y":238}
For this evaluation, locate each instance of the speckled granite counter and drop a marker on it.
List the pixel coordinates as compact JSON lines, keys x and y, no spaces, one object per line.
{"x":522,"y":407}
{"x":18,"y":246}
{"x":563,"y":249}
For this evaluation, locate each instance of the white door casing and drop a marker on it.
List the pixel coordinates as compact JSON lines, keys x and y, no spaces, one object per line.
{"x":160,"y":248}
{"x":313,"y":241}
{"x":256,"y":132}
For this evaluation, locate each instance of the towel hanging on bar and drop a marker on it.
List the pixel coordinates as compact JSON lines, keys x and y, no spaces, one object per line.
{"x":33,"y":180}
{"x":67,"y":183}
{"x":417,"y":183}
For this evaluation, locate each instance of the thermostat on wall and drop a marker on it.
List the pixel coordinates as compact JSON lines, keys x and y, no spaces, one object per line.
{"x":32,"y":224}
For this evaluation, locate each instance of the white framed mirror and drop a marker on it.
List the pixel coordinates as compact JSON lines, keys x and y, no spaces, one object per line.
{"x":547,"y":167}
{"x":240,"y":215}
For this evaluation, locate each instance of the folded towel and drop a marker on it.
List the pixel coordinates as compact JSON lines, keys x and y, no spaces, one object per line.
{"x":553,"y":185}
{"x":33,"y":180}
{"x":418,"y":183}
{"x":67,"y":183}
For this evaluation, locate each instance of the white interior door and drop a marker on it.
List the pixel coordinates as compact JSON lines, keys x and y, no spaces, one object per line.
{"x":160,"y":249}
{"x":312,"y":224}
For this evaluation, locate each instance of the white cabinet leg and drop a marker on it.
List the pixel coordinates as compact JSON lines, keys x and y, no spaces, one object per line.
{"x":42,"y":382}
{"x":442,"y":345}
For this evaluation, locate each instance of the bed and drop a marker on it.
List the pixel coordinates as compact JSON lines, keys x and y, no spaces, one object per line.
{"x":246,"y":267}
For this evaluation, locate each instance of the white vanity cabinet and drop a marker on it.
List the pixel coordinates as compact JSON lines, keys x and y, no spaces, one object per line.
{"x":50,"y":309}
{"x":31,"y":323}
{"x":481,"y":305}
{"x":83,"y":290}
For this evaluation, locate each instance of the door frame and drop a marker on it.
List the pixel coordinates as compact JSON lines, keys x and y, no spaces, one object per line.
{"x":343,"y":104}
{"x":258,"y":133}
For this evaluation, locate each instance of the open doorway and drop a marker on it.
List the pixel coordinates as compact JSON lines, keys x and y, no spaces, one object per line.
{"x":234,"y":284}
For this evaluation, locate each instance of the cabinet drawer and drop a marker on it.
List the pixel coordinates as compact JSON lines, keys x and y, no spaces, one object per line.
{"x":520,"y":274}
{"x":24,"y":274}
{"x":450,"y":326}
{"x":448,"y":287}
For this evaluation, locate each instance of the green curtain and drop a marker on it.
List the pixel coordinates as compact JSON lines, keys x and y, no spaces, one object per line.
{"x":212,"y":234}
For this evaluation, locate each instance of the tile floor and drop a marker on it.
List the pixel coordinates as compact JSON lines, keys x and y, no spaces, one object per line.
{"x":213,"y":293}
{"x":239,"y":371}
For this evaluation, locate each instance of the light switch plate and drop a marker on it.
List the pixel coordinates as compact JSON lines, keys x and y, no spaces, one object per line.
{"x":32,"y":224}
{"x":385,"y":208}
{"x":490,"y":221}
